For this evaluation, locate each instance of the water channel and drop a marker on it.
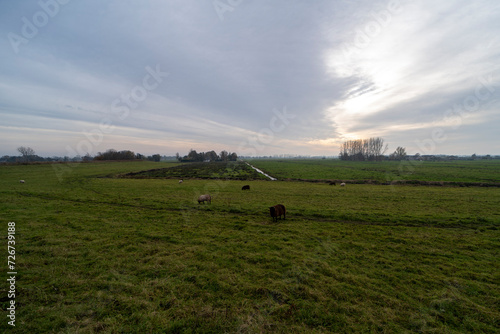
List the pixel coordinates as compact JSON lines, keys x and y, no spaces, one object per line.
{"x":259,"y":171}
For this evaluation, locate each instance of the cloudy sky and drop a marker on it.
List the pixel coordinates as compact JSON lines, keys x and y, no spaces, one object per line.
{"x":251,"y":76}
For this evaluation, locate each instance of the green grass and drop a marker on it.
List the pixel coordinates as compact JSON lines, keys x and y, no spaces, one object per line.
{"x":484,"y":171}
{"x":203,"y":170}
{"x":96,"y":253}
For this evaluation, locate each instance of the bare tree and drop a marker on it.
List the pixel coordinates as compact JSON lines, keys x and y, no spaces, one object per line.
{"x":376,"y":148}
{"x":363,"y":149}
{"x":27,"y":153}
{"x":399,"y":154}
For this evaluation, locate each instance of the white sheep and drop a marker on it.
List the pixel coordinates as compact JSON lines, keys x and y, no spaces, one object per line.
{"x":21,"y":181}
{"x":342,"y":184}
{"x":180,"y":181}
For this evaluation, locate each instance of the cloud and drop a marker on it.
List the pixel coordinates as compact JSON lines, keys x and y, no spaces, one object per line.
{"x":410,"y":71}
{"x":345,"y":69}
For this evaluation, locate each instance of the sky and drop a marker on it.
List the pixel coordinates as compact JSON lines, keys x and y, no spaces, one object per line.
{"x":253,"y":77}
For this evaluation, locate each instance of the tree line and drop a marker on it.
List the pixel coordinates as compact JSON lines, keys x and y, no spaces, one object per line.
{"x":194,"y":156}
{"x":372,"y":149}
{"x":28,"y":155}
{"x":112,"y":154}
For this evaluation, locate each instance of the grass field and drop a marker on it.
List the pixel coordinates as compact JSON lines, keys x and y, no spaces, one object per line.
{"x":100,"y":253}
{"x":213,"y":170}
{"x":480,"y":171}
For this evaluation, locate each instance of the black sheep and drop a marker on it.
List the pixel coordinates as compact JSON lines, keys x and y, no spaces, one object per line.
{"x":277,"y":210}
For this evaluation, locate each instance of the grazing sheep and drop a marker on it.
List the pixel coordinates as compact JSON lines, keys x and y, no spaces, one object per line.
{"x":204,"y":198}
{"x":332,"y":183}
{"x":180,"y":181}
{"x":342,"y":184}
{"x":277,"y":210}
{"x":21,"y":181}
{"x":245,"y":187}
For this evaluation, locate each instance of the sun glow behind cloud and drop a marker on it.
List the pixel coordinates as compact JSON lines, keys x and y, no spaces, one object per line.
{"x":379,"y":65}
{"x":393,"y":63}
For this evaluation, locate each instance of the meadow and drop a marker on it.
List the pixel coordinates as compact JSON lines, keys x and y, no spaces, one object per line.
{"x":98,"y":250}
{"x":478,"y":171}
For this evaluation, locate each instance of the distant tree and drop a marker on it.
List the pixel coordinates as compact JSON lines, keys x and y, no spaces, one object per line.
{"x":10,"y":159}
{"x":376,"y":148}
{"x":371,"y":149}
{"x":178,"y":156}
{"x":233,"y":157}
{"x":224,"y":155}
{"x":155,"y":157}
{"x":127,"y":155}
{"x":399,"y":154}
{"x":87,"y":158}
{"x":193,"y":155}
{"x":212,"y":156}
{"x":112,"y":154}
{"x":27,"y":153}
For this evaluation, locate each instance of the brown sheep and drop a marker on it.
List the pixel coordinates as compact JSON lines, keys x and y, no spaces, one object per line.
{"x":277,"y":210}
{"x":204,"y":198}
